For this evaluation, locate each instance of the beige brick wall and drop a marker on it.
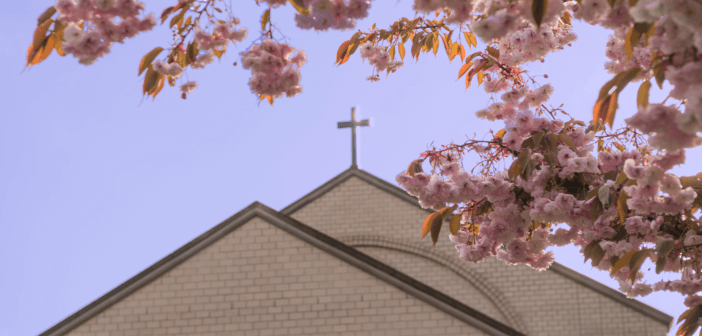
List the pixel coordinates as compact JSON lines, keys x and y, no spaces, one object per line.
{"x":548,"y":303}
{"x":428,"y":271}
{"x":259,"y":280}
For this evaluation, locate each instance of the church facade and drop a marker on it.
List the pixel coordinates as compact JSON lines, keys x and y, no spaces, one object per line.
{"x":346,"y":260}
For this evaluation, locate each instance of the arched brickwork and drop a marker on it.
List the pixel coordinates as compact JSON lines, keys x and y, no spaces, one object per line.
{"x":454,"y":264}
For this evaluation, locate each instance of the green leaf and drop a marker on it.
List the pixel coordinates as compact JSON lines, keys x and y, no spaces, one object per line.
{"x":148,"y":59}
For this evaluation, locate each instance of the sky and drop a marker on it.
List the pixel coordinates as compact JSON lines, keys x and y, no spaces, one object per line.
{"x":97,"y":183}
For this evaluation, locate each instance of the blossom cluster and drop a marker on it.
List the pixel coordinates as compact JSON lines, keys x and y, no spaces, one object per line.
{"x":640,"y":56}
{"x":274,"y":72}
{"x":92,"y":29}
{"x":491,"y":19}
{"x":221,"y":37}
{"x":332,"y":14}
{"x":378,"y":58}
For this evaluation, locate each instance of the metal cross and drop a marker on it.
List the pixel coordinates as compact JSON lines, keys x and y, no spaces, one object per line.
{"x":353,"y":124}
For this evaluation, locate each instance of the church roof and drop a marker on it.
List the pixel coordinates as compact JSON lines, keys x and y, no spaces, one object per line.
{"x":307,"y":234}
{"x":564,"y":271}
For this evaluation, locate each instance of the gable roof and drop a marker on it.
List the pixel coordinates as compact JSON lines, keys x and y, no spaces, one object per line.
{"x":344,"y":252}
{"x":564,"y":271}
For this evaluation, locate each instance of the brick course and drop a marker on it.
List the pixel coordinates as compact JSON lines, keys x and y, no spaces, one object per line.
{"x":549,"y":304}
{"x":260,"y":280}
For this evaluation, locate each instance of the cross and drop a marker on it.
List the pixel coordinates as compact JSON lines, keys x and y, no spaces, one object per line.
{"x":353,"y":124}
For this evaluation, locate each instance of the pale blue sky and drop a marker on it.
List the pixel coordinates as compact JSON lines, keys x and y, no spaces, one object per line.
{"x":96,"y":184}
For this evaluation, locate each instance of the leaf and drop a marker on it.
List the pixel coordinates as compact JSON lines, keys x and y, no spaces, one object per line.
{"x":493,"y":52}
{"x":622,"y":208}
{"x":176,"y":20}
{"x":594,"y":252}
{"x":40,"y":33}
{"x":219,"y":52}
{"x":481,"y":76}
{"x":524,"y":158}
{"x":642,"y":95}
{"x":166,"y":12}
{"x":596,"y":209}
{"x":455,"y":224}
{"x":631,"y":39}
{"x":300,"y":6}
{"x":454,"y":51}
{"x":415,"y":167}
{"x":150,"y":81}
{"x":401,"y":49}
{"x":472,"y":56}
{"x":446,"y":45}
{"x":636,"y":261}
{"x":604,"y":195}
{"x":623,"y":261}
{"x":433,"y":223}
{"x":599,"y":112}
{"x":467,"y":35}
{"x":538,"y":10}
{"x":473,"y":40}
{"x":537,"y":139}
{"x":633,"y":259}
{"x":39,"y":53}
{"x":659,"y":74}
{"x":567,"y":140}
{"x":392,"y":52}
{"x":461,"y":51}
{"x":58,"y":42}
{"x":159,"y":86}
{"x":463,"y":70}
{"x":265,"y":18}
{"x":691,"y":318}
{"x":48,"y":13}
{"x":148,"y":59}
{"x":663,"y":247}
{"x":566,"y":17}
{"x":514,"y":170}
{"x":341,"y":52}
{"x":619,"y":81}
{"x":612,"y":109}
{"x":500,"y":133}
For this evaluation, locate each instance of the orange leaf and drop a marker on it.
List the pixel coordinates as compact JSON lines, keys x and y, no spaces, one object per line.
{"x":461,"y":52}
{"x":481,"y":75}
{"x":454,"y":51}
{"x":464,"y":69}
{"x":401,"y":49}
{"x":341,"y":53}
{"x":426,"y":226}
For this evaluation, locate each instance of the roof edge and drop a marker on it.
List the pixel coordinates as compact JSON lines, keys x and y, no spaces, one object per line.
{"x":613,"y":294}
{"x":341,"y":178}
{"x":330,"y":245}
{"x":146,"y":276}
{"x":555,"y":267}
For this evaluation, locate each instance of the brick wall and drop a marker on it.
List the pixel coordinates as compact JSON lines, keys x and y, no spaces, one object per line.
{"x":259,"y":280}
{"x":548,"y":303}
